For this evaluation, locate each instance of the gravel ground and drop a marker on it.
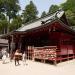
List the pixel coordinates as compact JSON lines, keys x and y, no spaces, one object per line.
{"x":37,"y":68}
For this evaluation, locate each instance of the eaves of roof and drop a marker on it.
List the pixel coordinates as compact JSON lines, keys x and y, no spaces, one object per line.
{"x":42,"y":21}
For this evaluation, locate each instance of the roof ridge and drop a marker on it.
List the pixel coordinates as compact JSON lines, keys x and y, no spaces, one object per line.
{"x":42,"y":20}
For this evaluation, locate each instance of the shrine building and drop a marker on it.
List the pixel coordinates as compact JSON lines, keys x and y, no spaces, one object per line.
{"x":47,"y":39}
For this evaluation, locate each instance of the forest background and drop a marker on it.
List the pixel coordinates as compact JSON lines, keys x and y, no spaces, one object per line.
{"x":11,"y":19}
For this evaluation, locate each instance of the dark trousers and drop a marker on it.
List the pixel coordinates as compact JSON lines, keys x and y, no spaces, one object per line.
{"x":16,"y":62}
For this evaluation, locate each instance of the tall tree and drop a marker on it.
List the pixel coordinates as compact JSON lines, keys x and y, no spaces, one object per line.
{"x":3,"y":23}
{"x":69,"y":7}
{"x":53,"y":9}
{"x":3,"y":26}
{"x":9,"y":9}
{"x":30,"y":13}
{"x":16,"y":23}
{"x":1,"y":6}
{"x":2,"y":16}
{"x":43,"y":14}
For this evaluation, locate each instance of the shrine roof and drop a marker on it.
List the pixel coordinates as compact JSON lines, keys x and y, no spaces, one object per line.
{"x":42,"y":21}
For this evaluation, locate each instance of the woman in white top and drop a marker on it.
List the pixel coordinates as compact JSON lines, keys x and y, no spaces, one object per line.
{"x":24,"y":56}
{"x":4,"y":53}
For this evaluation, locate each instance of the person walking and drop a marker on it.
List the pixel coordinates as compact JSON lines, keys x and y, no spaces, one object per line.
{"x":16,"y":57}
{"x":4,"y":53}
{"x":24,"y":57}
{"x":4,"y":59}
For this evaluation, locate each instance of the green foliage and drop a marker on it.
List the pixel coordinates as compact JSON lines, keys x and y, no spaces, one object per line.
{"x":71,"y":17}
{"x":43,"y":14}
{"x":1,"y":6}
{"x":8,"y":10}
{"x":3,"y":26}
{"x":30,"y":13}
{"x":53,"y":9}
{"x":9,"y":7}
{"x":16,"y":23}
{"x":69,"y":7}
{"x":2,"y":16}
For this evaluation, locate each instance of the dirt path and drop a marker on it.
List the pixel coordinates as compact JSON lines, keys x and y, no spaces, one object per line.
{"x":37,"y":68}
